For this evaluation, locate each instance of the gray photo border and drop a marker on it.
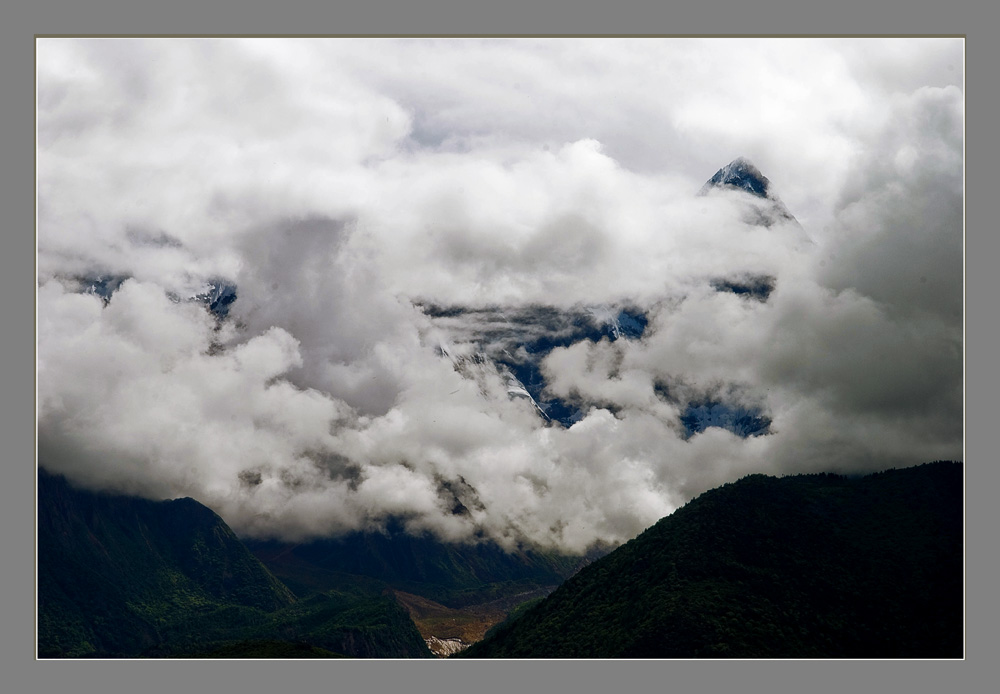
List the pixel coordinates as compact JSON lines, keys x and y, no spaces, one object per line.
{"x":448,"y":17}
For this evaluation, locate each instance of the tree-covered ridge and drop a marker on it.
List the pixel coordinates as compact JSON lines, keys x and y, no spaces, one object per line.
{"x":451,"y":591}
{"x":272,"y":650}
{"x":120,"y":576}
{"x":456,"y":575}
{"x":811,"y":566}
{"x":115,"y":571}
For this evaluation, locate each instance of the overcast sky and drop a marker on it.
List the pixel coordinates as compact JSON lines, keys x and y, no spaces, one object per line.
{"x":342,"y":183}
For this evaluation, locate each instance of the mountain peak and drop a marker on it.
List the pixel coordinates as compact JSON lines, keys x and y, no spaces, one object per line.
{"x":742,"y":174}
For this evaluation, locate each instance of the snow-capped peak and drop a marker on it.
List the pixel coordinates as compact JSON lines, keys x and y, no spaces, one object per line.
{"x":740,"y":173}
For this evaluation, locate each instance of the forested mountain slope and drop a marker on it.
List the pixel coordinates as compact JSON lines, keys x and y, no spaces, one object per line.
{"x":120,"y":576}
{"x":810,"y":566}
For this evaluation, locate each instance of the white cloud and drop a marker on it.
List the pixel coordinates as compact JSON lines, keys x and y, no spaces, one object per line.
{"x":339,"y":183}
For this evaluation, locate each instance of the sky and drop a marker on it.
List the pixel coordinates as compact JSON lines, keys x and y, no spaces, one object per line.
{"x":344,"y":185}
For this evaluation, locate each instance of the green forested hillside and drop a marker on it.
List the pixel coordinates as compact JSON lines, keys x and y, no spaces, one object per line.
{"x":452,"y":574}
{"x":114,"y":572}
{"x":122,"y":577}
{"x":251,"y":649}
{"x":806,"y":566}
{"x":813,"y":566}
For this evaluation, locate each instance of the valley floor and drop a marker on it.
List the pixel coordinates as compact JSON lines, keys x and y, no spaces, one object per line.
{"x":448,"y":630}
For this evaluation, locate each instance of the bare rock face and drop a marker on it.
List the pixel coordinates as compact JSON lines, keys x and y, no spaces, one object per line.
{"x":740,"y":174}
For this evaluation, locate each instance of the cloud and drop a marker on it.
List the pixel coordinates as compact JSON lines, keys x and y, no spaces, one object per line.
{"x":392,"y":210}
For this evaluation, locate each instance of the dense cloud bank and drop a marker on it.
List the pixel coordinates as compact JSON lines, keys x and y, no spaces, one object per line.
{"x":378,"y":204}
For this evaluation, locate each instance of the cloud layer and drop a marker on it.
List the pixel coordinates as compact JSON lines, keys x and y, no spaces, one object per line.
{"x":345,"y":185}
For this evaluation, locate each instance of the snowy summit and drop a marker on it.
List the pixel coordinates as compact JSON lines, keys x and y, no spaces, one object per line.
{"x":739,"y":173}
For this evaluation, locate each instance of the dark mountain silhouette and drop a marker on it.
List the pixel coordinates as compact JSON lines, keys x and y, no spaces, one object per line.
{"x":113,"y":569}
{"x":811,"y":566}
{"x":455,"y":575}
{"x":120,"y":576}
